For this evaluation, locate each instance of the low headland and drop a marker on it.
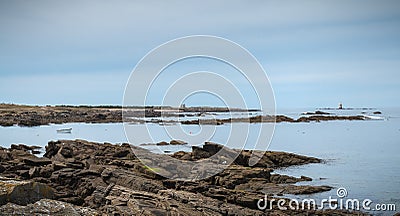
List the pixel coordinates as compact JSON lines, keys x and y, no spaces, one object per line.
{"x":26,"y":115}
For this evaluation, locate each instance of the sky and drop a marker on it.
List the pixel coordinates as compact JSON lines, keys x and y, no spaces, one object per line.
{"x":315,"y":53}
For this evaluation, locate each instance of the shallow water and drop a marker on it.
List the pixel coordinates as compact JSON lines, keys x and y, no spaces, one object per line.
{"x":361,"y":156}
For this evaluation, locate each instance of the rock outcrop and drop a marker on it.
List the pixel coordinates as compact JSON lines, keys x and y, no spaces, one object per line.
{"x":85,"y":178}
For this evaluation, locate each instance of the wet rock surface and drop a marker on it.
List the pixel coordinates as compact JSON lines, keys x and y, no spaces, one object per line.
{"x":86,"y":178}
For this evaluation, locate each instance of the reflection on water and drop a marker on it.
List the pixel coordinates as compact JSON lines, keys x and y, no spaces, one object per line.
{"x":362,"y":156}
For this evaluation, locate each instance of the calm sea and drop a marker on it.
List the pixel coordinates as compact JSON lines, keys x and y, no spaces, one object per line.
{"x":361,"y":156}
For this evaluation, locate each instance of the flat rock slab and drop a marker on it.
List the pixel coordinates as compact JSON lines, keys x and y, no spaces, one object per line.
{"x":35,"y":161}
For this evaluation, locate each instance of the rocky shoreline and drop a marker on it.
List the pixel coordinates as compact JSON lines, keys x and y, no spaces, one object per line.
{"x":23,"y":115}
{"x":77,"y":177}
{"x":276,"y":119}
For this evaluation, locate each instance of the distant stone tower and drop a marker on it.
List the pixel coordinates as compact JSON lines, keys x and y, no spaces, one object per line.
{"x":340,"y":106}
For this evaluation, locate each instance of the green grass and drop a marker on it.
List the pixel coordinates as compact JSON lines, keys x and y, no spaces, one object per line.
{"x":151,"y":169}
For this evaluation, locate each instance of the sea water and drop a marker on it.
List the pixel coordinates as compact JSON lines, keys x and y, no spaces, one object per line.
{"x":360,"y":156}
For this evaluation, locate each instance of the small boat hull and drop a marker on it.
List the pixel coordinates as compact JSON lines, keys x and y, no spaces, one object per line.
{"x":64,"y":130}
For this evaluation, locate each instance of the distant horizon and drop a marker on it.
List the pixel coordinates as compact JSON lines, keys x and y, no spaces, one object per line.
{"x":188,"y":105}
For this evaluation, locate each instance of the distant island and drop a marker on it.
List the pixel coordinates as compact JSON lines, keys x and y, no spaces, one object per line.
{"x":28,"y":115}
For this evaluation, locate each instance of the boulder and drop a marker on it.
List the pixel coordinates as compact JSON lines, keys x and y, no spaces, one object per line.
{"x":52,"y":148}
{"x":200,"y":153}
{"x":121,"y":153}
{"x":23,"y":192}
{"x":67,"y":152}
{"x":212,"y":148}
{"x":22,"y":147}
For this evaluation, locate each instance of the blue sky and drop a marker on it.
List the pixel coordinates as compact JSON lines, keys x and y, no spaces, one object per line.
{"x":316,"y":53}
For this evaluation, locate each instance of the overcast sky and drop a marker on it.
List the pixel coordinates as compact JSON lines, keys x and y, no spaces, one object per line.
{"x":315,"y":53}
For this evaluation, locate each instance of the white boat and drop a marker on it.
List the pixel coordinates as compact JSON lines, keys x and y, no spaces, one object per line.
{"x":64,"y":130}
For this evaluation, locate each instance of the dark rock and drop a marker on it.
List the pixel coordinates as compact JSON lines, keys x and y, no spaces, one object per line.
{"x":212,"y":148}
{"x":177,"y":142}
{"x":18,"y":154}
{"x":162,"y":143}
{"x":89,"y":172}
{"x":200,"y":153}
{"x":52,"y":149}
{"x":67,"y":152}
{"x":284,"y":179}
{"x":24,"y":174}
{"x":75,"y":165}
{"x":35,"y":161}
{"x":46,"y":171}
{"x":35,"y":147}
{"x":282,"y":159}
{"x":100,"y":116}
{"x":23,"y":192}
{"x":121,"y":153}
{"x":241,"y":157}
{"x":305,"y":178}
{"x":329,"y":118}
{"x":17,"y":167}
{"x":318,"y":112}
{"x":20,"y":147}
